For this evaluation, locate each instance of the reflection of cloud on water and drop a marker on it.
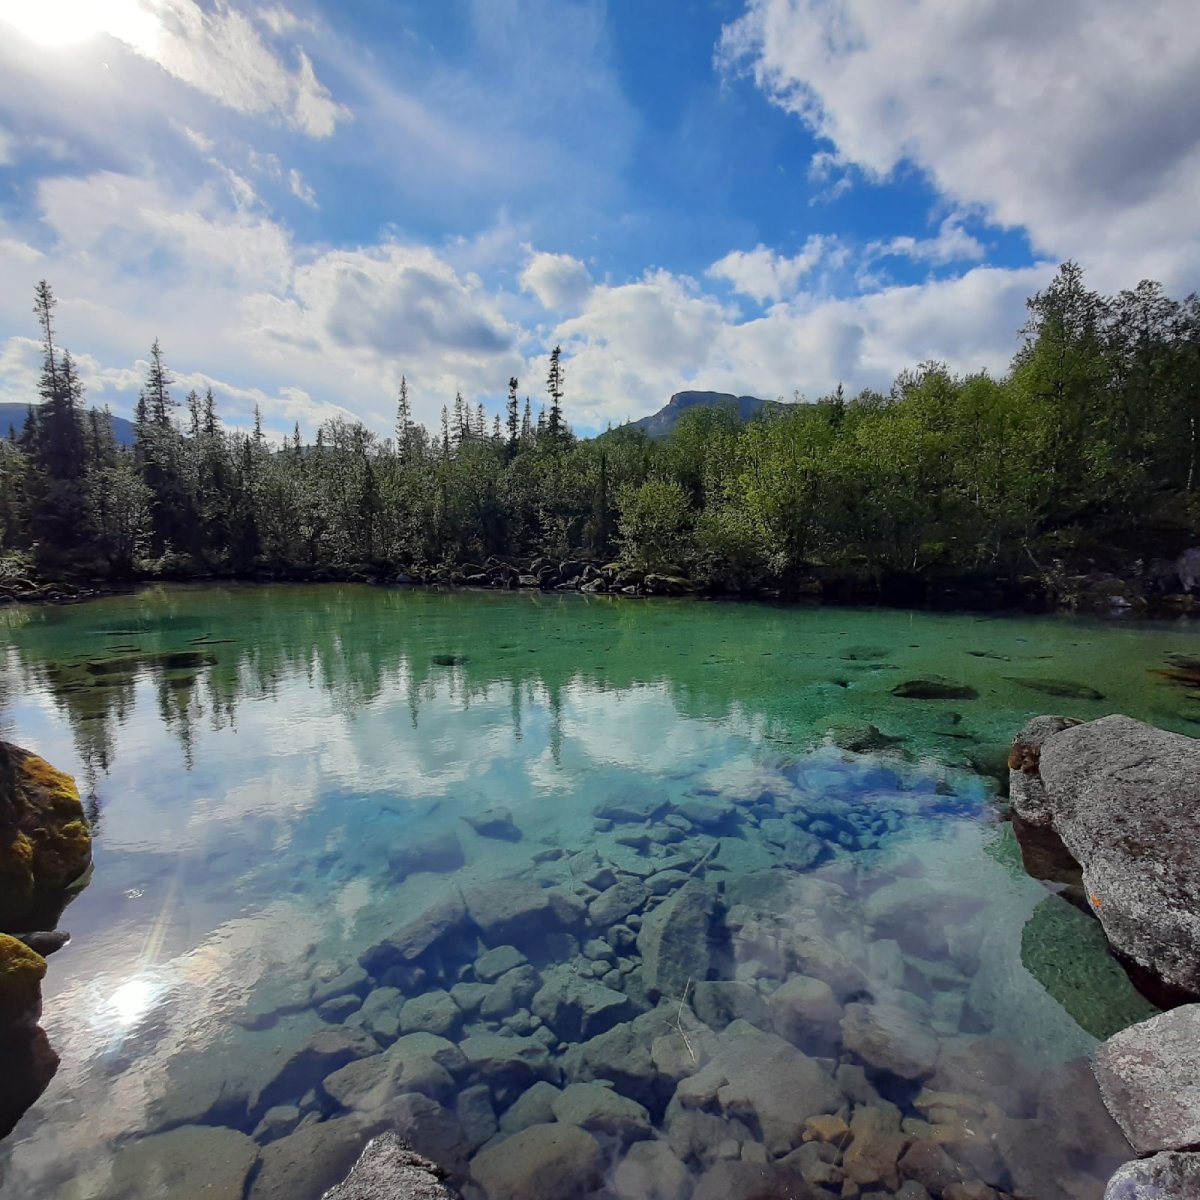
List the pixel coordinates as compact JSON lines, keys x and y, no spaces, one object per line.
{"x":119,"y":1030}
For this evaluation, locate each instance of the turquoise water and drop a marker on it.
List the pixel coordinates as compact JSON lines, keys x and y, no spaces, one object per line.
{"x":666,"y":791}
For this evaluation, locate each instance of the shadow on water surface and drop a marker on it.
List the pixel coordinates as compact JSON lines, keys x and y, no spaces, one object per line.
{"x":452,"y":862}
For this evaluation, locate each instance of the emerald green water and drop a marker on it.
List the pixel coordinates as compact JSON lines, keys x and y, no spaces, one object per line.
{"x":267,"y":800}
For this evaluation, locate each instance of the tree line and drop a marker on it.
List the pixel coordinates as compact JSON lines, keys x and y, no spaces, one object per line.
{"x":1084,"y":451}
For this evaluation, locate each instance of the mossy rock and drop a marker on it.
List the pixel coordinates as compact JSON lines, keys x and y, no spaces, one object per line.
{"x":21,"y":972}
{"x":45,"y":842}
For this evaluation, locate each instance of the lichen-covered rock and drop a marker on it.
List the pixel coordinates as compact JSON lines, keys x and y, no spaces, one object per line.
{"x":1166,"y":1176}
{"x":21,"y":973}
{"x":45,"y":843}
{"x":1149,"y":1076}
{"x":389,"y":1170}
{"x":1124,"y":798}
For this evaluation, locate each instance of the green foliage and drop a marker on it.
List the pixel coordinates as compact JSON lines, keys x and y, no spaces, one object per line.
{"x":1087,"y":447}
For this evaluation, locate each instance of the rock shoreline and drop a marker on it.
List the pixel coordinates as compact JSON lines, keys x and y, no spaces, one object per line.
{"x":1111,"y":809}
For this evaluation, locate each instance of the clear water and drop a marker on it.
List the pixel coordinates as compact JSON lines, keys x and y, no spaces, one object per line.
{"x":263,"y":801}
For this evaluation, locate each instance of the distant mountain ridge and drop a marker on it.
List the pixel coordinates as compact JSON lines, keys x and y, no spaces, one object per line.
{"x":661,"y":423}
{"x":12,"y":417}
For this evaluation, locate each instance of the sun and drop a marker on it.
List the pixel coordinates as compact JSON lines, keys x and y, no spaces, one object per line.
{"x":59,"y":23}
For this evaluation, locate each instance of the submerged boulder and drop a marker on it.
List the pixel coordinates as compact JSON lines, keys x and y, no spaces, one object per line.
{"x":1124,"y":798}
{"x":674,"y":940}
{"x":543,"y":1162}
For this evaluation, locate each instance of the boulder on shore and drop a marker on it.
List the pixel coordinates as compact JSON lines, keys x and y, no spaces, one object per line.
{"x":389,"y":1170}
{"x":45,"y":843}
{"x":1124,"y":799}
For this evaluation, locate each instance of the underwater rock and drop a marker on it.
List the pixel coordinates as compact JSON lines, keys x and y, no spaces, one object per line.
{"x":1166,"y":1176}
{"x":324,"y":1052}
{"x":1065,"y":951}
{"x":45,"y":942}
{"x":193,"y":1162}
{"x":801,"y":850}
{"x":352,"y":979}
{"x":623,"y":1056}
{"x":310,"y":1161}
{"x":432,"y":1012}
{"x":674,"y":940}
{"x":888,"y":1038}
{"x":933,"y":687}
{"x":513,"y":990}
{"x":577,"y":1008}
{"x":1147,"y":1076}
{"x":476,"y":1115}
{"x":860,"y":737}
{"x":927,"y":1163}
{"x":429,"y":1128}
{"x":876,"y":1145}
{"x":1124,"y":798}
{"x":765,"y":1081}
{"x":803,"y":1009}
{"x":508,"y":1060}
{"x":45,"y":843}
{"x":439,"y":852}
{"x":443,"y":920}
{"x":705,"y":812}
{"x":924,"y":916}
{"x":508,"y":912}
{"x":751,"y":1181}
{"x":389,"y":1170}
{"x":543,"y":1162}
{"x":650,"y":1171}
{"x":495,"y":823}
{"x":718,"y":1002}
{"x":490,"y":965}
{"x":598,"y":1109}
{"x":631,"y":808}
{"x":1063,"y":689}
{"x":30,"y":1063}
{"x":615,"y":903}
{"x":534,"y":1106}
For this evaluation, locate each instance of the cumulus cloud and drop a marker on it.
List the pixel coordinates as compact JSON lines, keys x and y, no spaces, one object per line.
{"x":951,"y":244}
{"x":559,"y":281}
{"x":1071,"y":120}
{"x":764,"y":275}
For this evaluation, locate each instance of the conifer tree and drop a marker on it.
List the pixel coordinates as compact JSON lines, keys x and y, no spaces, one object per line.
{"x":514,"y":417}
{"x":554,"y":386}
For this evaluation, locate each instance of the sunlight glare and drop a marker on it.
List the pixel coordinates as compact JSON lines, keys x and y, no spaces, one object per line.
{"x":61,"y":23}
{"x":132,"y":1000}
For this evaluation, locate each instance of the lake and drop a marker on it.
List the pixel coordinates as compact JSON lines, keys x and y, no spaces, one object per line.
{"x":454,"y":861}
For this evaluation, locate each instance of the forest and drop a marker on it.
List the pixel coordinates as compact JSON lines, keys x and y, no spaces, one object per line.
{"x":1082,"y":458}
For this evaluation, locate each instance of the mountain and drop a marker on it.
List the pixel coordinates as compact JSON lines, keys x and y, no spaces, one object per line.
{"x":661,"y":423}
{"x":12,"y":416}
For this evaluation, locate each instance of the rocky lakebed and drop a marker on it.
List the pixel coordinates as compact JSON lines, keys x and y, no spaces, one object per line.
{"x":627,"y":939}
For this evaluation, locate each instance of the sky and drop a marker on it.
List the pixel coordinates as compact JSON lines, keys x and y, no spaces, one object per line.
{"x":303,"y":201}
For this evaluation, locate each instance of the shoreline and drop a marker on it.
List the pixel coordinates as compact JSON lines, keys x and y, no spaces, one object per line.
{"x":1097,"y":594}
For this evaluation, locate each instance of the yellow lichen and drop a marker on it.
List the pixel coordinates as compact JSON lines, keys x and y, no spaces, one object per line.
{"x":21,"y":972}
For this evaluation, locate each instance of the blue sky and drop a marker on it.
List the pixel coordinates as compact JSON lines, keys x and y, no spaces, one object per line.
{"x":304,"y":200}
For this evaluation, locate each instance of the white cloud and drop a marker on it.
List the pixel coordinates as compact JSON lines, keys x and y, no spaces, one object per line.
{"x":1071,"y":120}
{"x":557,"y":280}
{"x":952,"y":244}
{"x":218,"y":51}
{"x":301,"y":190}
{"x":764,"y":275}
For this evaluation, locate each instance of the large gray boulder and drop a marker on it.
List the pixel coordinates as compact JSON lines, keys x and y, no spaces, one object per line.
{"x":389,"y":1170}
{"x":1166,"y":1176}
{"x":543,"y":1162}
{"x":1149,"y":1076}
{"x":1124,"y":798}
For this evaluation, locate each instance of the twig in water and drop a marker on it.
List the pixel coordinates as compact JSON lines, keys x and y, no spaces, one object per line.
{"x":679,"y":1020}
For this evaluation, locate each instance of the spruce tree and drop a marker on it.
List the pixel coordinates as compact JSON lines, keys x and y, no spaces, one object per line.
{"x":404,"y":426}
{"x":554,"y":386}
{"x":514,"y":417}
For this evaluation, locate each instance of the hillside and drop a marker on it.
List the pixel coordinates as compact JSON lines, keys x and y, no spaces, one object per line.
{"x":663,"y":422}
{"x":12,"y":417}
